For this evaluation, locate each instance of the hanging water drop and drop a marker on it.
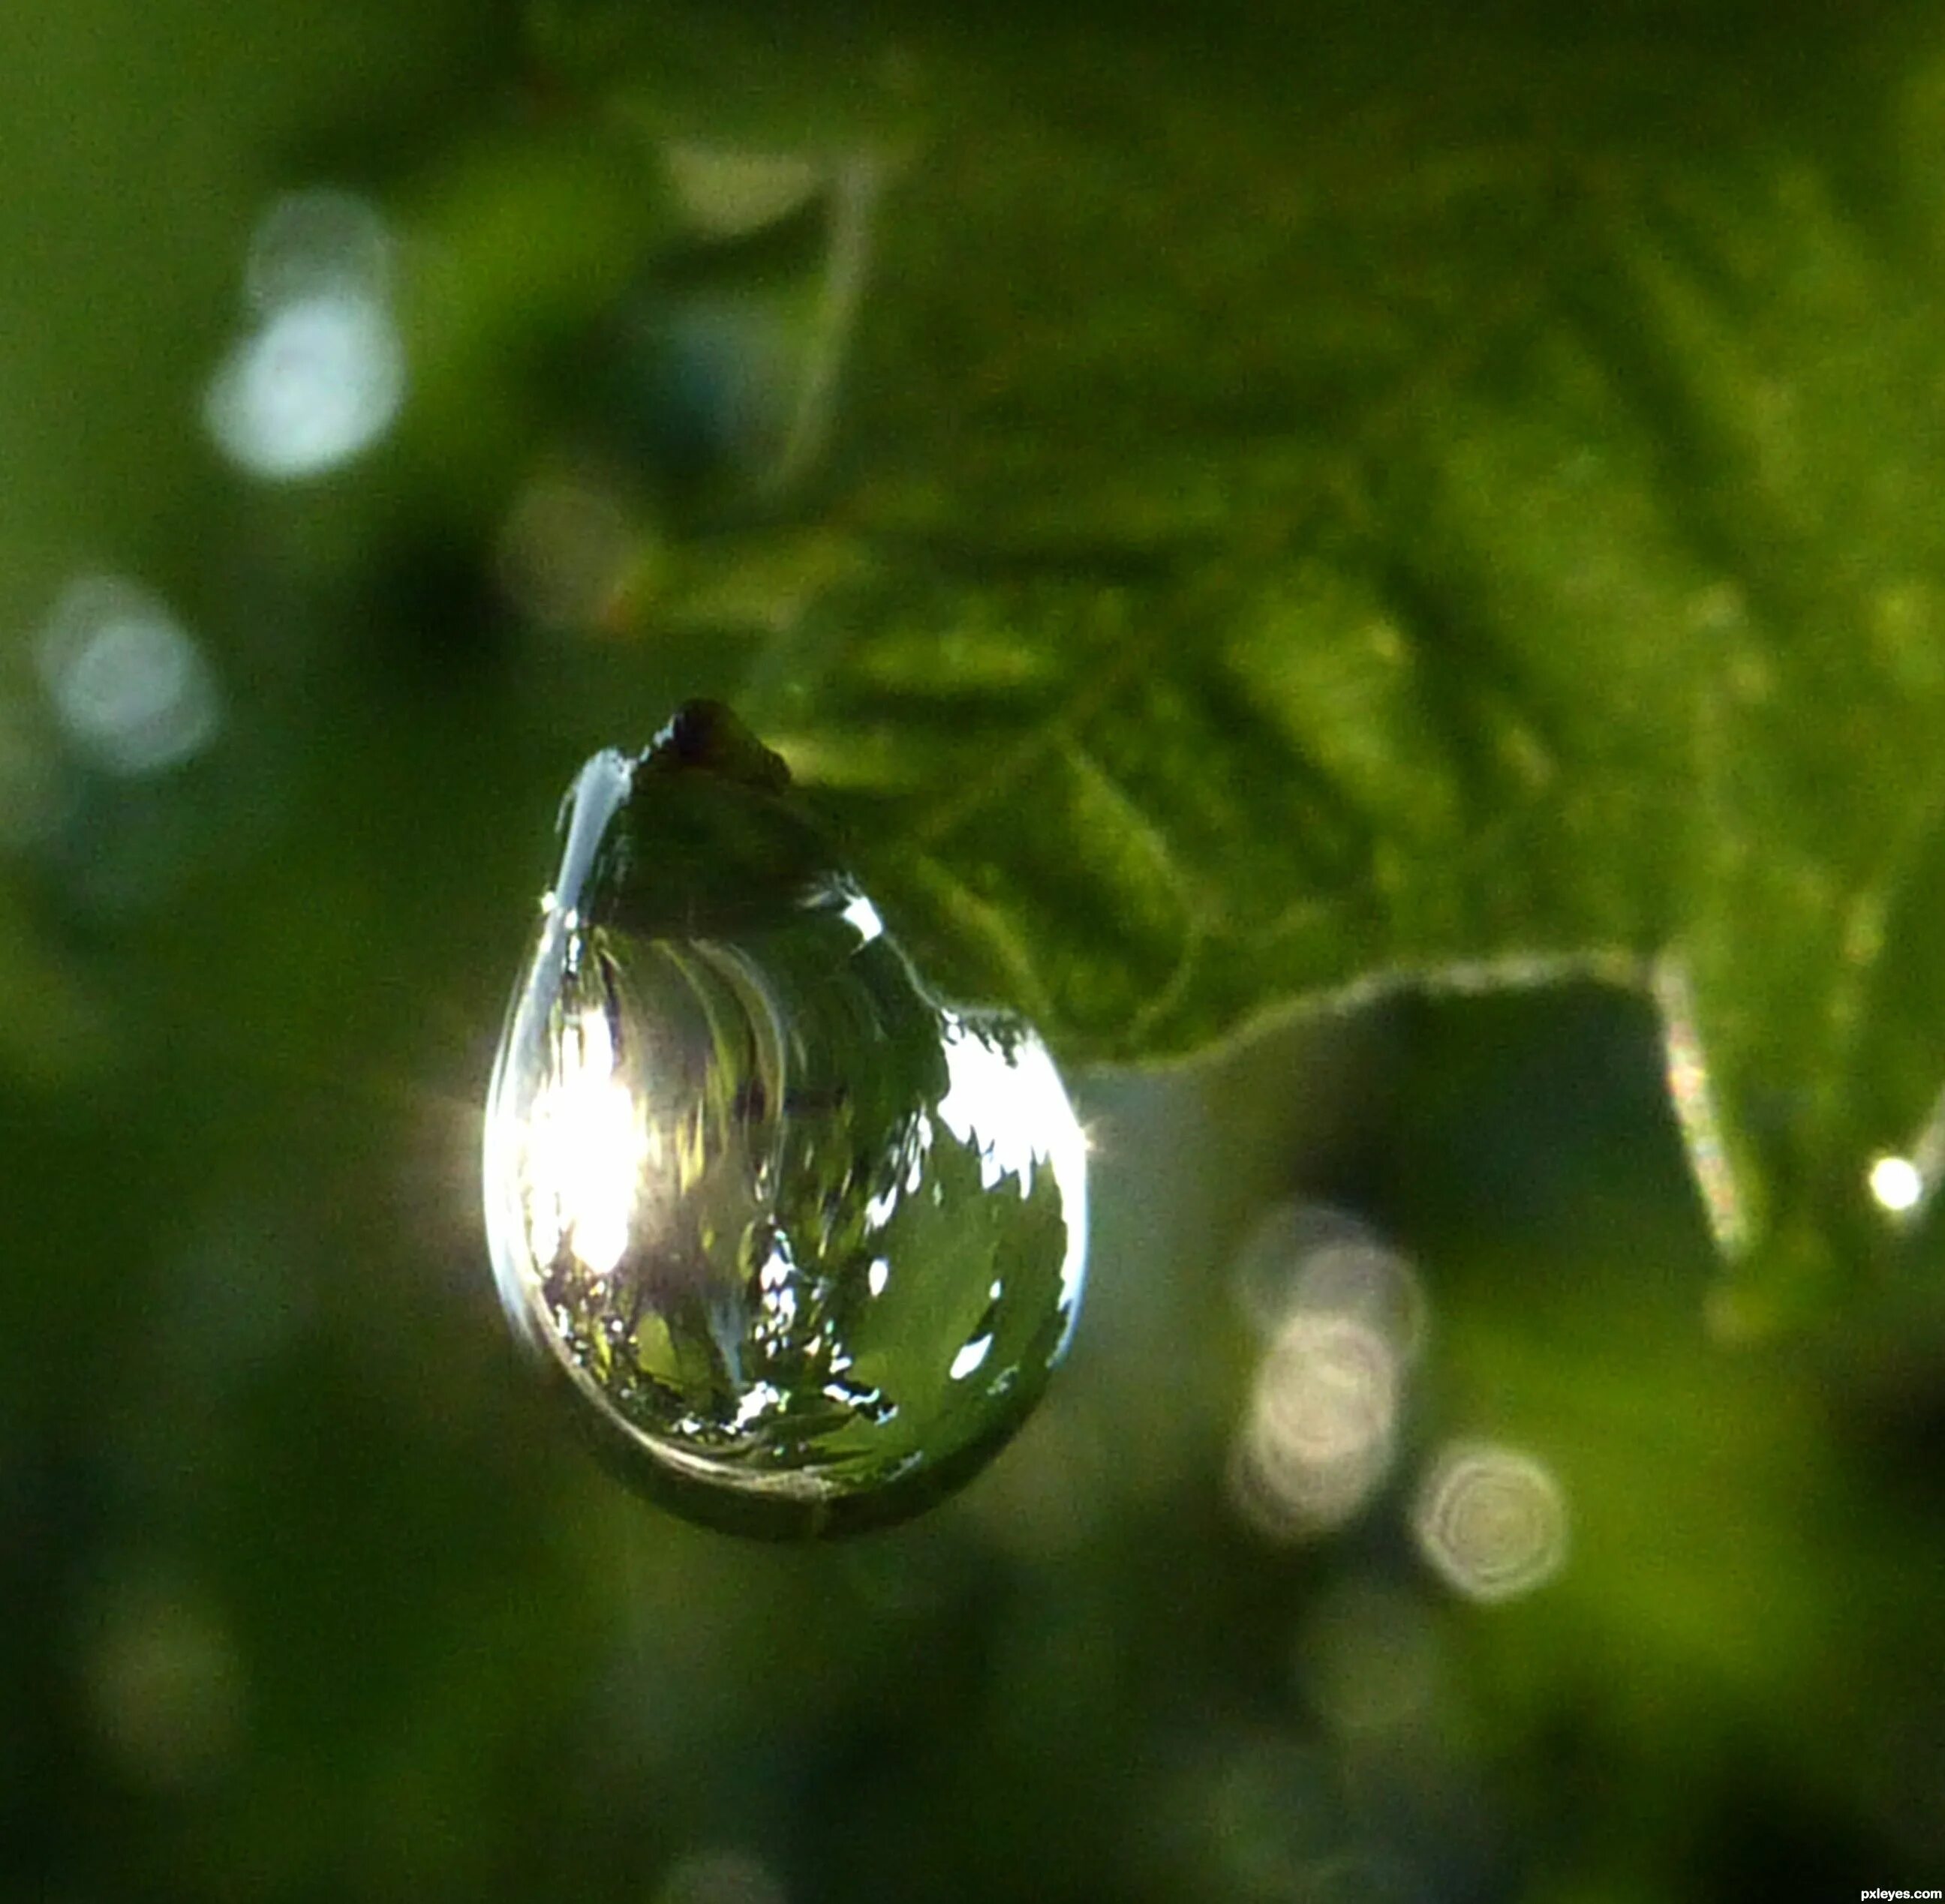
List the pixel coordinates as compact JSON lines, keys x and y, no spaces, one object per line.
{"x":802,"y":1241}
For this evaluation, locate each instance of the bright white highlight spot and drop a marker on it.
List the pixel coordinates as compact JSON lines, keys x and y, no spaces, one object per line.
{"x":584,"y":1148}
{"x":130,"y":688}
{"x":1897,"y":1184}
{"x":863,"y":917}
{"x":970,"y":1357}
{"x":762,"y":1399}
{"x":321,"y":382}
{"x":1491,"y":1521}
{"x":877,"y":1276}
{"x":981,"y":1106}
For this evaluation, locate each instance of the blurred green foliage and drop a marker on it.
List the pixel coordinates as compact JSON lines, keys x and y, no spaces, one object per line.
{"x":1227,"y":508}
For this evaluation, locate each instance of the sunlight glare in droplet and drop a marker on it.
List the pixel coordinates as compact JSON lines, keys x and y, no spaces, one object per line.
{"x":1491,"y":1521}
{"x":585,"y":1148}
{"x":129,"y":687}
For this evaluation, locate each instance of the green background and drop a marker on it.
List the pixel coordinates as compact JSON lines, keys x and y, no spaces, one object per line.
{"x":1315,"y":495}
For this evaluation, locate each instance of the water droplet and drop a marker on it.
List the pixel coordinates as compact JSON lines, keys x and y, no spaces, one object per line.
{"x":802,"y":1241}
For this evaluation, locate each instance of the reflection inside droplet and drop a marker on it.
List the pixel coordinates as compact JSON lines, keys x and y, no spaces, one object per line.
{"x":129,"y":687}
{"x":804,"y":1242}
{"x":1491,"y":1520}
{"x":970,"y":1358}
{"x":586,"y":1144}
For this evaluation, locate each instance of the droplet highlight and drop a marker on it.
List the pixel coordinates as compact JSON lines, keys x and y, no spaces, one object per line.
{"x":802,"y":1241}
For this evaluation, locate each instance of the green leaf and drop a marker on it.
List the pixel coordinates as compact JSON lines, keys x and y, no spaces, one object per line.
{"x":1442,"y":519}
